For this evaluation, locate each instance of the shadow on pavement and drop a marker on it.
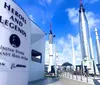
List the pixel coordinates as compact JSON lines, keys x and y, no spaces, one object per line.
{"x":45,"y":81}
{"x":96,"y":81}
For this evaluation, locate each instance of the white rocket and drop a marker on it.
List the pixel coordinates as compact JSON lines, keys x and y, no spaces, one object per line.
{"x":97,"y":46}
{"x":84,"y":33}
{"x":86,"y":41}
{"x":50,"y":49}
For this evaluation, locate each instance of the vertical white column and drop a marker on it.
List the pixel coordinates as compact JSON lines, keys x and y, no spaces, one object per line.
{"x":55,"y":61}
{"x":50,"y":57}
{"x":97,"y":46}
{"x":74,"y":60}
{"x":91,"y":48}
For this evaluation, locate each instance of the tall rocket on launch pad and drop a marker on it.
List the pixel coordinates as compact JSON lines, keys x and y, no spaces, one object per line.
{"x":50,"y":49}
{"x":84,"y":33}
{"x":85,"y":39}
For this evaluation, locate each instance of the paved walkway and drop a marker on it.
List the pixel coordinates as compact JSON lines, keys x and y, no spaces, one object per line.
{"x":61,"y":81}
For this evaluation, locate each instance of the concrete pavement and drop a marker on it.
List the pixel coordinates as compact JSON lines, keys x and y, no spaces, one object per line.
{"x":61,"y":81}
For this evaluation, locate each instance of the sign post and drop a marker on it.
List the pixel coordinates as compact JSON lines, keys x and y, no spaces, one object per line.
{"x":14,"y":44}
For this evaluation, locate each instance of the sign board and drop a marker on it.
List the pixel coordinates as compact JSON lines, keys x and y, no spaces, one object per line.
{"x":14,"y":44}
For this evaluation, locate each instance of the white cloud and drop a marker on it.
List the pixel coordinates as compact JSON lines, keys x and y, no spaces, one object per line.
{"x":73,"y":15}
{"x":92,"y":20}
{"x":90,"y":1}
{"x":44,"y":2}
{"x":93,"y":1}
{"x":64,"y":47}
{"x":40,"y":15}
{"x":59,"y":1}
{"x":49,"y":1}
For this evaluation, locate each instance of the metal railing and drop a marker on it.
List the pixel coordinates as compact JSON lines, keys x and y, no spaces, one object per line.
{"x":79,"y":77}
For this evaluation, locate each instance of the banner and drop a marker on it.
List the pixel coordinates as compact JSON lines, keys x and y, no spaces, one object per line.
{"x":14,"y":44}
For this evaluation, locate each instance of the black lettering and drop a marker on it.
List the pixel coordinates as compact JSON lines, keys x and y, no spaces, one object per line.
{"x":17,"y":51}
{"x":12,"y":10}
{"x":20,"y":16}
{"x":6,"y":54}
{"x":12,"y":18}
{"x":20,"y":23}
{"x":16,"y":56}
{"x":6,"y":49}
{"x":6,"y":22}
{"x":1,"y":19}
{"x":19,"y":30}
{"x":24,"y":58}
{"x":7,"y":6}
{"x":23,"y":33}
{"x":25,"y":21}
{"x":0,"y":53}
{"x":15,"y":27}
{"x":3,"y":64}
{"x":11,"y":25}
{"x":16,"y":20}
{"x":16,"y":13}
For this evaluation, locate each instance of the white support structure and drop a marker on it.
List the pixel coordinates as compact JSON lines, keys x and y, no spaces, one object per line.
{"x":50,"y":57}
{"x":73,"y":51}
{"x":97,"y":46}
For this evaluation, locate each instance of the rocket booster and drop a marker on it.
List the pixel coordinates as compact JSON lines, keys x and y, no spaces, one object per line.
{"x":74,"y":59}
{"x":84,"y":33}
{"x":91,"y":47}
{"x":97,"y":46}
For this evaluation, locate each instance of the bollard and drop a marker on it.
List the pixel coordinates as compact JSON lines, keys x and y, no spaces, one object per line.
{"x":66,"y":74}
{"x":81,"y":74}
{"x":87,"y":78}
{"x":76,"y":75}
{"x":69,"y":75}
{"x":72,"y":75}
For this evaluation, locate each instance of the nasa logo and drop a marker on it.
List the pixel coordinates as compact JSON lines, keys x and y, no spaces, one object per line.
{"x":14,"y":40}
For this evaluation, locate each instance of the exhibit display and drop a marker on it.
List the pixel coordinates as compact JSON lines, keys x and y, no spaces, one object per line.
{"x":85,"y":41}
{"x":14,"y":44}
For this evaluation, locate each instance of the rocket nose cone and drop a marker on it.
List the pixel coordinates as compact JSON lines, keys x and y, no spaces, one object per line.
{"x":81,"y":9}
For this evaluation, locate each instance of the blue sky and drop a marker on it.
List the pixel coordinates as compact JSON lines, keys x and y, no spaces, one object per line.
{"x":64,"y":17}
